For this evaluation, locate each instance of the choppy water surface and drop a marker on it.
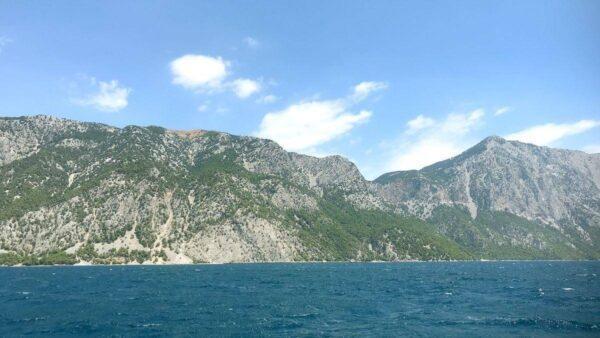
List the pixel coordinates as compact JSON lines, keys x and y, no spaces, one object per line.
{"x":473,"y":299}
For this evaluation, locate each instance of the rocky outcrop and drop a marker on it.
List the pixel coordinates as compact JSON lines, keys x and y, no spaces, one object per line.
{"x":101,"y":194}
{"x":111,"y":195}
{"x":555,"y":188}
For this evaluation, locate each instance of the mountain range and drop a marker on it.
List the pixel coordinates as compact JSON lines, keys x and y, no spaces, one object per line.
{"x":76,"y":192}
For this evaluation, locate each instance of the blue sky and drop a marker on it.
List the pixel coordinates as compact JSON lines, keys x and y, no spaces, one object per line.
{"x":389,"y":84}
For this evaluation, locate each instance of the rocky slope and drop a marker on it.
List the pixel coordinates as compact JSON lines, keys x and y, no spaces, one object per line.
{"x":85,"y":192}
{"x":502,"y":194}
{"x":90,"y":192}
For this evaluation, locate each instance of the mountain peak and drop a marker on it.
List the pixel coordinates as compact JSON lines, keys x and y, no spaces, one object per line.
{"x":224,"y":198}
{"x":493,"y":138}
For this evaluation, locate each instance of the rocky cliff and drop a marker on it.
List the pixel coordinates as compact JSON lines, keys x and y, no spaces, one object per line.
{"x":73,"y":192}
{"x":501,"y":194}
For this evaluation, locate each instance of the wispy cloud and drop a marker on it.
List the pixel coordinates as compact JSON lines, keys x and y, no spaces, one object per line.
{"x":364,"y":89}
{"x":105,"y":96}
{"x":251,"y":42}
{"x":592,"y":148}
{"x":419,"y":123}
{"x":202,"y":108}
{"x":306,"y":125}
{"x":267,"y":99}
{"x":549,"y":133}
{"x":502,"y":111}
{"x":426,"y":140}
{"x":3,"y":42}
{"x":208,"y":75}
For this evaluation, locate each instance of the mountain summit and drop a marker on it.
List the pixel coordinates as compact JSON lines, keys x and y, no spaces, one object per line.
{"x":73,"y":191}
{"x":501,"y":193}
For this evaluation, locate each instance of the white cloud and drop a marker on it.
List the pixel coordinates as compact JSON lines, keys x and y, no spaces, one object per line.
{"x":592,"y":148}
{"x":362,"y":90}
{"x":459,"y":124}
{"x":423,"y":152}
{"x":547,"y":134}
{"x":3,"y":42}
{"x":427,"y":141}
{"x":251,"y":42}
{"x":502,"y":110}
{"x":109,"y":96}
{"x":222,"y":110}
{"x":207,"y":74}
{"x":267,"y":99}
{"x":199,"y":72}
{"x":303,"y":126}
{"x":418,"y":123}
{"x":202,"y":108}
{"x":243,"y":88}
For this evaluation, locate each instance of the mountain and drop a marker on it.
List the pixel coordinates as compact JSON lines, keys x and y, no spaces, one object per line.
{"x":86,"y":192}
{"x":507,"y":199}
{"x":83,"y":191}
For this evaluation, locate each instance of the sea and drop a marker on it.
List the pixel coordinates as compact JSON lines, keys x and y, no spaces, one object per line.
{"x":472,"y":299}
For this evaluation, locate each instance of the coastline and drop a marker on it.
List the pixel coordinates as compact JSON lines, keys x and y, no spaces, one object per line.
{"x":302,"y":262}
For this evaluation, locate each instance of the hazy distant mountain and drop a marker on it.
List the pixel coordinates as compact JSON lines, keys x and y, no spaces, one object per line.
{"x":72,"y":191}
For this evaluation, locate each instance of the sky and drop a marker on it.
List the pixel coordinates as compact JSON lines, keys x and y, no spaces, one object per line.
{"x":391,"y":85}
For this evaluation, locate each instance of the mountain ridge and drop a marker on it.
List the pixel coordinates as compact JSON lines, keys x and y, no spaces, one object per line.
{"x":92,"y":192}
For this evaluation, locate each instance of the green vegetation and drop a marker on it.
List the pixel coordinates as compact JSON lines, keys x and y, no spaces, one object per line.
{"x":114,"y":256}
{"x":94,"y":184}
{"x":50,"y":258}
{"x":86,"y":253}
{"x":491,"y":235}
{"x":340,"y":232}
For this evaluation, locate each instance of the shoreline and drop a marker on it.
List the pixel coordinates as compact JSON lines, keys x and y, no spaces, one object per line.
{"x":76,"y":265}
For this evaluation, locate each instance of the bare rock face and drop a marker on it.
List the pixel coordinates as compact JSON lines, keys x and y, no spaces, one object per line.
{"x":95,"y":193}
{"x":556,"y":188}
{"x":23,"y":136}
{"x":109,"y":195}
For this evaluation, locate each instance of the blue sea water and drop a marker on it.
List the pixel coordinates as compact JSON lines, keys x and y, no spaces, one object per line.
{"x":372,"y":299}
